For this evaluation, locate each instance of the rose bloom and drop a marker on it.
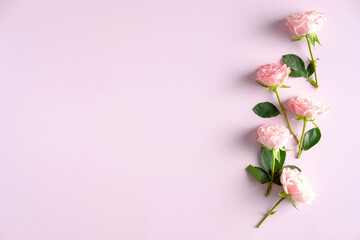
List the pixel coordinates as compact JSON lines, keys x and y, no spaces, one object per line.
{"x":306,"y":107}
{"x":272,"y":136}
{"x":272,"y":74}
{"x":296,"y":184}
{"x":305,"y":22}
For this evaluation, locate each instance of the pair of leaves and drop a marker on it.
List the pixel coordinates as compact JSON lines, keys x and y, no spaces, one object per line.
{"x":266,"y":157}
{"x":311,"y":138}
{"x":267,"y":160}
{"x":263,"y":175}
{"x":266,"y":110}
{"x":297,"y":66}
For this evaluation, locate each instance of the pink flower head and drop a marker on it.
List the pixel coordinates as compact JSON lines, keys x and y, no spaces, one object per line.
{"x":296,"y":184}
{"x":306,"y":107}
{"x":305,"y":22}
{"x":272,"y":74}
{"x":272,"y":136}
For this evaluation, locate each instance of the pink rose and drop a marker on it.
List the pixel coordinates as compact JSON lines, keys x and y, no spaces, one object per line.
{"x":272,"y":136}
{"x":305,"y":22}
{"x":296,"y":184}
{"x":272,"y":74}
{"x":306,"y":107}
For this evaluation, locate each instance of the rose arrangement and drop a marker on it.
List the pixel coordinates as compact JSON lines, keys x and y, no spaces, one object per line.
{"x":273,"y":76}
{"x":273,"y":138}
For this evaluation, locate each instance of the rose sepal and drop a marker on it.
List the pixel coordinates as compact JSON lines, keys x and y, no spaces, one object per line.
{"x":284,"y":194}
{"x":313,"y":38}
{"x":261,"y":84}
{"x":298,"y":38}
{"x":304,"y":118}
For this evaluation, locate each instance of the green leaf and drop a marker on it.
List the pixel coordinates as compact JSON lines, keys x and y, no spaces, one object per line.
{"x":280,"y":163}
{"x":259,"y":174}
{"x":266,"y":159}
{"x":297,"y":74}
{"x":292,"y":167}
{"x":310,"y":69}
{"x":311,"y":138}
{"x":266,"y":110}
{"x":277,"y":176}
{"x":296,"y":64}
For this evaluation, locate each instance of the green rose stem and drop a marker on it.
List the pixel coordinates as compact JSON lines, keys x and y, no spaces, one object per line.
{"x":285,"y":115}
{"x":315,"y":124}
{"x":302,"y":139}
{"x":313,"y":62}
{"x":271,"y":212}
{"x":272,"y":174}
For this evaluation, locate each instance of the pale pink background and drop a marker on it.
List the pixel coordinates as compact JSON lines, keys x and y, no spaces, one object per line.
{"x":132,"y":120}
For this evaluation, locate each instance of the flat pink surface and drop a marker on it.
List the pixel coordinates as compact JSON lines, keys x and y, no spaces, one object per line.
{"x":132,"y":120}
